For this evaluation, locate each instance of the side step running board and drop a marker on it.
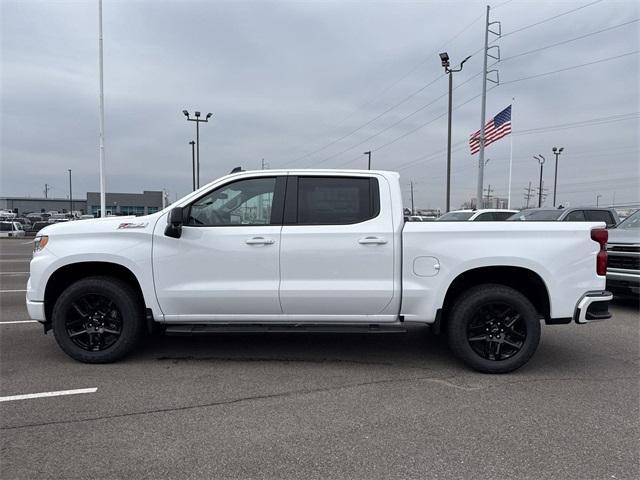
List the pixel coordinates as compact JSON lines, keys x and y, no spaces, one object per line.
{"x":192,"y":329}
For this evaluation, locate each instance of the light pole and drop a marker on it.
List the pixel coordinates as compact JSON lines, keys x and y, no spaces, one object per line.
{"x":444,"y":58}
{"x":556,"y":151}
{"x":193,"y":162}
{"x":369,"y":163}
{"x":598,"y":200}
{"x":197,"y":120}
{"x":541,"y":161}
{"x":70,"y":194}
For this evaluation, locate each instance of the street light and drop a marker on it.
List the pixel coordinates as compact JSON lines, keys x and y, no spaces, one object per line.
{"x":598,"y":200}
{"x":541,"y":161}
{"x":197,"y":120}
{"x":369,"y":163}
{"x":556,"y":151}
{"x":444,"y":58}
{"x":193,"y":162}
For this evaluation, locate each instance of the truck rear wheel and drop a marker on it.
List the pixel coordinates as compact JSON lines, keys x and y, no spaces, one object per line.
{"x":493,"y":329}
{"x":98,"y":320}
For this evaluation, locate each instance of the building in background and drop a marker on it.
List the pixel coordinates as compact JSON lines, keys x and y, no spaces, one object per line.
{"x":143,"y":203}
{"x":117,"y":204}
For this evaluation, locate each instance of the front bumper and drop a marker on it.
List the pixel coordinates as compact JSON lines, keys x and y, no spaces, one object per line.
{"x":593,"y":306}
{"x":36,"y":310}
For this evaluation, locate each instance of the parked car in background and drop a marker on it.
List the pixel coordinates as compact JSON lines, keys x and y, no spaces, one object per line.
{"x":482,"y":215}
{"x":573,"y":214}
{"x":623,"y":249}
{"x":419,"y":218}
{"x":36,"y":227}
{"x":86,"y":217}
{"x":11,"y":229}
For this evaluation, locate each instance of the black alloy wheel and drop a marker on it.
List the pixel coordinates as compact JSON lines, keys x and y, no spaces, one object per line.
{"x":497,"y":331}
{"x":93,"y":322}
{"x":98,"y":319}
{"x":493,"y":328}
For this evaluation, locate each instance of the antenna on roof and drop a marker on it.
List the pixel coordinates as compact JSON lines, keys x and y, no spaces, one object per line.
{"x":237,"y":169}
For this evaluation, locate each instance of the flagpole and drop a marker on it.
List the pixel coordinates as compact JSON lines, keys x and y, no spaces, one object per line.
{"x":103,"y":206}
{"x":510,"y":154}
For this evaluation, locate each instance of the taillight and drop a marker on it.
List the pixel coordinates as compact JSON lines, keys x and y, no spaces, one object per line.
{"x":601,"y":236}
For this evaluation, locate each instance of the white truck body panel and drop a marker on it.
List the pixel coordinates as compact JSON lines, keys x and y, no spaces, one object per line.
{"x":317,"y":273}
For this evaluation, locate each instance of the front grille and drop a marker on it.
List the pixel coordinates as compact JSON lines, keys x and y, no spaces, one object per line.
{"x":627,"y":262}
{"x":624,"y":248}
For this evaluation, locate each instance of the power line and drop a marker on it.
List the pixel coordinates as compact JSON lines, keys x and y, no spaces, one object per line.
{"x":389,"y":87}
{"x":569,"y":40}
{"x":602,"y":60}
{"x":531,"y":25}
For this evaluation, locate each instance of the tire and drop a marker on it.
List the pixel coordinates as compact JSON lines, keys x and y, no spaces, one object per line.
{"x":504,"y":315}
{"x":98,"y":320}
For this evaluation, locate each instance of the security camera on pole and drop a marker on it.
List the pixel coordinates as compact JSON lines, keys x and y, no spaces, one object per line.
{"x":197,"y":120}
{"x":556,"y":151}
{"x":444,"y":57}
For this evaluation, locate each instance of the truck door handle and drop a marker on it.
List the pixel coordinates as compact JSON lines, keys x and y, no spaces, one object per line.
{"x":259,"y":241}
{"x":372,"y":241}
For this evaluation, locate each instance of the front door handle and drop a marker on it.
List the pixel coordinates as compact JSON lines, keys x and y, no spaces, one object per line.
{"x":259,"y":241}
{"x":372,"y":241}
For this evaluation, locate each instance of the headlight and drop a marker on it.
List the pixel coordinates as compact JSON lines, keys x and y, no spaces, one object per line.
{"x":39,"y":243}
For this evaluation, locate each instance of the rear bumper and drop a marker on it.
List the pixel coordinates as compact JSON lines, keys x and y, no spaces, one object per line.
{"x":593,"y":306}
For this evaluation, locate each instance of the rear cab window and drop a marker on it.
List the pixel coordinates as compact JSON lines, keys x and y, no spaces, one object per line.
{"x":318,"y":200}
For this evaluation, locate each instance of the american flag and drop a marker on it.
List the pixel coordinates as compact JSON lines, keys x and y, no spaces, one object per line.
{"x":495,"y":129}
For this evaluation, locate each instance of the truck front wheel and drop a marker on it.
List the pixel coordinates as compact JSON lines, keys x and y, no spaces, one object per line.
{"x":493,"y":328}
{"x":97,"y":320}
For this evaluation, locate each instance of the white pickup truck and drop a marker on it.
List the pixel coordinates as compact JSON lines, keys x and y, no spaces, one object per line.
{"x":314,"y":250}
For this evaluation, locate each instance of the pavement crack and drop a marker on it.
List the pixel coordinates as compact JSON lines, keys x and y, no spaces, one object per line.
{"x":249,"y":398}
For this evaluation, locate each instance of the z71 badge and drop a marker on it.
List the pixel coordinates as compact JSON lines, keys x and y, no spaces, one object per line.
{"x":132,"y":225}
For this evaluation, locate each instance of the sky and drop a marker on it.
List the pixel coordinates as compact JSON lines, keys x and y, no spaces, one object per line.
{"x":314,"y":84}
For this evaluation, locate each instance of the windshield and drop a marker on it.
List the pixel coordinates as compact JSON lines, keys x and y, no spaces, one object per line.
{"x":632,"y":221}
{"x":455,"y":217}
{"x":536,"y":216}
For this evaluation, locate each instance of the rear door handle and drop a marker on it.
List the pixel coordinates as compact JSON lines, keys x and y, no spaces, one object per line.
{"x":259,"y":241}
{"x":372,"y":241}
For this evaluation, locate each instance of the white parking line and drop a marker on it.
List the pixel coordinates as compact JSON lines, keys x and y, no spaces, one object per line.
{"x":11,"y":291}
{"x":48,"y":394}
{"x":10,"y":322}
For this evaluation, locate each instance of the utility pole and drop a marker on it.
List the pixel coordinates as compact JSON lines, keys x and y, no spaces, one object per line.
{"x":197,"y":120}
{"x":528,"y":195}
{"x":489,"y":196}
{"x":542,"y":192}
{"x":483,"y":109}
{"x":412,"y":205}
{"x":598,"y":200}
{"x":444,"y":58}
{"x":193,"y":163}
{"x":70,"y":194}
{"x":46,"y":190}
{"x":556,"y":151}
{"x":262,"y":164}
{"x":369,"y":162}
{"x":103,"y":202}
{"x":541,"y":161}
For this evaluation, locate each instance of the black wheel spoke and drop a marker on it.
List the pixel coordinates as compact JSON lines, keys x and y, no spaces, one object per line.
{"x":497,"y":331}
{"x":100,"y":321}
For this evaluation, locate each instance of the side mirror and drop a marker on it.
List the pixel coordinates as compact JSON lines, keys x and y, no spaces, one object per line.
{"x":175,"y":220}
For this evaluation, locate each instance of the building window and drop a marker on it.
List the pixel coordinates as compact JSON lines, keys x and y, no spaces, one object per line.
{"x":124,"y":210}
{"x":151,"y":210}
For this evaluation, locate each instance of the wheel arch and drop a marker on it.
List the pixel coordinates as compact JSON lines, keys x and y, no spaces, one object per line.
{"x":72,"y":272}
{"x":522,"y":279}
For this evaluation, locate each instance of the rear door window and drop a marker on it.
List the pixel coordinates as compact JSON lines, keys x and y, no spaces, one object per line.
{"x":336,"y":200}
{"x":575,"y":216}
{"x":485,"y":217}
{"x":600,"y":216}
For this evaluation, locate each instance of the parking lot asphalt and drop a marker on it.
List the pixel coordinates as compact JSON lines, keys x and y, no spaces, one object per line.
{"x":316,"y":406}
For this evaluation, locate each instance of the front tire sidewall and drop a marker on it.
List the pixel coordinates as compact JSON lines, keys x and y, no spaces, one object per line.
{"x":463,"y":312}
{"x":125,"y":301}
